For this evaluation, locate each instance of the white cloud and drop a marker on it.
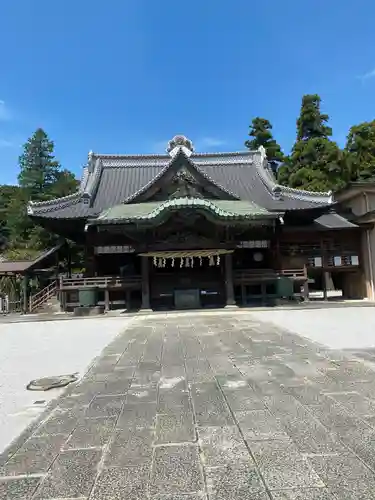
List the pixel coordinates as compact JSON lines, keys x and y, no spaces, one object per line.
{"x":4,"y":143}
{"x":4,"y":112}
{"x":212,"y":142}
{"x":368,"y":75}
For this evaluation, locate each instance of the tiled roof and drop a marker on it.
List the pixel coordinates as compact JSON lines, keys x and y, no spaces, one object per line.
{"x":334,"y":221}
{"x":109,"y":180}
{"x":226,"y":209}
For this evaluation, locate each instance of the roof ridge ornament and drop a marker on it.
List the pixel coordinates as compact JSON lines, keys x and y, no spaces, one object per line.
{"x":263,"y":153}
{"x":180,"y":142}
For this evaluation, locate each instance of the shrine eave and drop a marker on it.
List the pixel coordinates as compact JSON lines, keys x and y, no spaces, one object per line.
{"x":228,"y":210}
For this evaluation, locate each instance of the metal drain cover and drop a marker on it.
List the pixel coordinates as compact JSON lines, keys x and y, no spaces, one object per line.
{"x":46,"y":383}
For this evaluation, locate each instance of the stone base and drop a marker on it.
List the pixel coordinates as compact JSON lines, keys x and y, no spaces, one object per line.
{"x":88,"y":311}
{"x":231,"y":306}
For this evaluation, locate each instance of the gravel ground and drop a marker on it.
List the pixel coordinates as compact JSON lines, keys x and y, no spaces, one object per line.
{"x":32,"y":350}
{"x":341,"y":328}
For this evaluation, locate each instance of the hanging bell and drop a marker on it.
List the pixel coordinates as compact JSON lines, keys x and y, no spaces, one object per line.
{"x":211,"y":261}
{"x":187,"y":264}
{"x":159,"y":262}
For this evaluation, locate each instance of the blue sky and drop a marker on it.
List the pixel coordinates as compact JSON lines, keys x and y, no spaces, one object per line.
{"x":124,"y":76}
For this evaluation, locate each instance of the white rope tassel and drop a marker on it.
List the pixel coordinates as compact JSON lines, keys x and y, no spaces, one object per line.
{"x":164,"y":262}
{"x":172,"y":263}
{"x":200,"y":261}
{"x":181,"y":262}
{"x":187,"y":264}
{"x":192,"y":262}
{"x":218,"y":260}
{"x":155,"y":261}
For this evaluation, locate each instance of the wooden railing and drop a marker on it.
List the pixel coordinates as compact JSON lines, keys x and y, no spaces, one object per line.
{"x":40,"y":298}
{"x":294,"y":273}
{"x":268,"y":274}
{"x":99,"y":282}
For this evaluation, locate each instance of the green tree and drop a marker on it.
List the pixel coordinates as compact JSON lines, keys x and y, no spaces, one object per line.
{"x":66,"y":184}
{"x":360,"y":152}
{"x":261,"y":135}
{"x":40,"y":178}
{"x":39,"y":170}
{"x":311,"y":123}
{"x":316,"y":163}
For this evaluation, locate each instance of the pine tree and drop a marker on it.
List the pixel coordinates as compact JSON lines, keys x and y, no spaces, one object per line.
{"x":261,"y":133}
{"x":360,"y":152}
{"x":316,"y":163}
{"x":39,"y":169}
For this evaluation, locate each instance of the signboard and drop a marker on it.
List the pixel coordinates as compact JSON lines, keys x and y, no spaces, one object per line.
{"x":114,"y":249}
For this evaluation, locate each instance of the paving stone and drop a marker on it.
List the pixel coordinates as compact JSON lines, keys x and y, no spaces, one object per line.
{"x":198,"y":370}
{"x":122,"y":483}
{"x":306,"y":394}
{"x":61,"y":421}
{"x":18,"y":489}
{"x":168,"y":401}
{"x":105,"y":406}
{"x":221,"y":446}
{"x":176,"y":470}
{"x":142,"y":395}
{"x":71,"y":476}
{"x":130,"y":447}
{"x":310,"y":436}
{"x":209,"y":405}
{"x":91,"y":432}
{"x":176,"y":496}
{"x":76,"y":402}
{"x":142,"y":415}
{"x":303,"y":494}
{"x":333,"y":415}
{"x":341,"y":469}
{"x":354,"y":491}
{"x":34,"y":457}
{"x":355,"y":403}
{"x":233,"y":482}
{"x":175,"y":427}
{"x":282,"y":466}
{"x":259,"y":424}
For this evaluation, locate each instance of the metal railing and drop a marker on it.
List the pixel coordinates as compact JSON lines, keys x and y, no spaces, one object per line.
{"x":40,"y":298}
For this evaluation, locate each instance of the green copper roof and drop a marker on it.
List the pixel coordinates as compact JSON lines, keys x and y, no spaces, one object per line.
{"x":223,"y":209}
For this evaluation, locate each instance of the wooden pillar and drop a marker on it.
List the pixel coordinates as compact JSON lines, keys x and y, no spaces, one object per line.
{"x":25,"y":294}
{"x":145,"y":283}
{"x":325,"y":282}
{"x":305,"y":290}
{"x":229,"y":280}
{"x":106,"y":300}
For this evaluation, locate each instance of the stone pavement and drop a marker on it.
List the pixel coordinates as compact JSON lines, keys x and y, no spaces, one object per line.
{"x":206,"y":406}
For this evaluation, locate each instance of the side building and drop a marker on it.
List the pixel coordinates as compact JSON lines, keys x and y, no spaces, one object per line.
{"x":187,"y":229}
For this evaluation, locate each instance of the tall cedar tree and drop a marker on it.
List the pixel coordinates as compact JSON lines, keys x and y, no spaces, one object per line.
{"x":260,"y":131}
{"x":39,"y":169}
{"x":316,"y":163}
{"x":40,"y":178}
{"x":360,"y":152}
